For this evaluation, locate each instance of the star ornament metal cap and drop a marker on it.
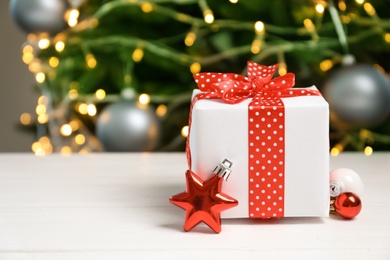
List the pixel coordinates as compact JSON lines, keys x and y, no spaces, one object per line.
{"x":204,"y":201}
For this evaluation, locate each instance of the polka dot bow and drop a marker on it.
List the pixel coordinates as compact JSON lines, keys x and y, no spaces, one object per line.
{"x":234,"y":88}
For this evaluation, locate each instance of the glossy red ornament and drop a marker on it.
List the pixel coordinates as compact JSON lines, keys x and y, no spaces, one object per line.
{"x":348,"y":205}
{"x":203,"y":201}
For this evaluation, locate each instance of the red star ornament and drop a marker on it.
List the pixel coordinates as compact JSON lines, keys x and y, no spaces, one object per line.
{"x":203,"y":201}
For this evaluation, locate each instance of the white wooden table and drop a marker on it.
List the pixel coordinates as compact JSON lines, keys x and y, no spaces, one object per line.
{"x":115,"y":206}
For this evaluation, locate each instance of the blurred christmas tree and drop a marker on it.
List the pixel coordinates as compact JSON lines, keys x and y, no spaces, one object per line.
{"x":119,"y":72}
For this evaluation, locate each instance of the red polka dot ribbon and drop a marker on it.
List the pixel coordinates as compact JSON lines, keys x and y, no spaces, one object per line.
{"x":266,"y":117}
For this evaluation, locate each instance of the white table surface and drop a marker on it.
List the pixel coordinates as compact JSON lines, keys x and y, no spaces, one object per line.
{"x":115,"y":206}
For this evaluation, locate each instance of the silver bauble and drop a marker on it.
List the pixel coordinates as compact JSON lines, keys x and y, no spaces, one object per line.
{"x":358,"y":96}
{"x":40,"y":16}
{"x":128,"y":126}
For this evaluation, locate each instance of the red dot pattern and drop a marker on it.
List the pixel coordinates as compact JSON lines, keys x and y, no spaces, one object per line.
{"x":266,"y":158}
{"x":266,"y":148}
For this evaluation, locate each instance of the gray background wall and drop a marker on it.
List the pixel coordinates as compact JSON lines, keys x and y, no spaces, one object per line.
{"x":17,"y":94}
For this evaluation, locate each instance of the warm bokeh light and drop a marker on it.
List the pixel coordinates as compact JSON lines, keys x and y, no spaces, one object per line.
{"x":44,"y":140}
{"x":370,"y":10}
{"x":32,"y":37}
{"x":161,"y":110}
{"x":320,"y":8}
{"x":91,"y":61}
{"x":43,"y":118}
{"x":144,"y":99}
{"x":308,"y":24}
{"x":256,"y":46}
{"x":42,"y":100}
{"x":79,"y":139}
{"x":72,"y":17}
{"x":40,"y":77}
{"x":282,"y":69}
{"x":334,"y":151}
{"x":73,"y":93}
{"x":47,"y":148}
{"x":259,"y":27}
{"x":208,"y":16}
{"x":138,"y":54}
{"x":368,"y":151}
{"x":54,"y":62}
{"x":82,"y":108}
{"x":28,"y":49}
{"x":84,"y":150}
{"x":60,"y":46}
{"x":40,"y":152}
{"x":43,"y":43}
{"x":66,"y":150}
{"x":46,"y":145}
{"x":342,"y":6}
{"x":40,"y":109}
{"x":184,"y":131}
{"x":75,"y":125}
{"x":359,"y":1}
{"x":35,"y":66}
{"x":233,"y":1}
{"x":100,"y":94}
{"x":345,"y":19}
{"x":25,"y":119}
{"x":42,"y":147}
{"x":91,"y":109}
{"x":35,"y":146}
{"x":190,"y":39}
{"x":28,"y":57}
{"x":326,"y":65}
{"x":387,"y":37}
{"x":195,"y":67}
{"x":66,"y":130}
{"x":146,"y":7}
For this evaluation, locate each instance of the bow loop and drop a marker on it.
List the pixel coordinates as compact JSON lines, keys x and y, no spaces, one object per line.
{"x":233,"y":91}
{"x":231,"y":88}
{"x":256,"y":71}
{"x":207,"y":81}
{"x":280,"y":83}
{"x":234,"y":88}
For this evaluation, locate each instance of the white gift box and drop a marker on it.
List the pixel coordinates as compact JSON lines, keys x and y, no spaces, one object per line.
{"x":220,"y":131}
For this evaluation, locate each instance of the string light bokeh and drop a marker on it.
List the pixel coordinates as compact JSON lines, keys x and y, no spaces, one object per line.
{"x":63,"y":114}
